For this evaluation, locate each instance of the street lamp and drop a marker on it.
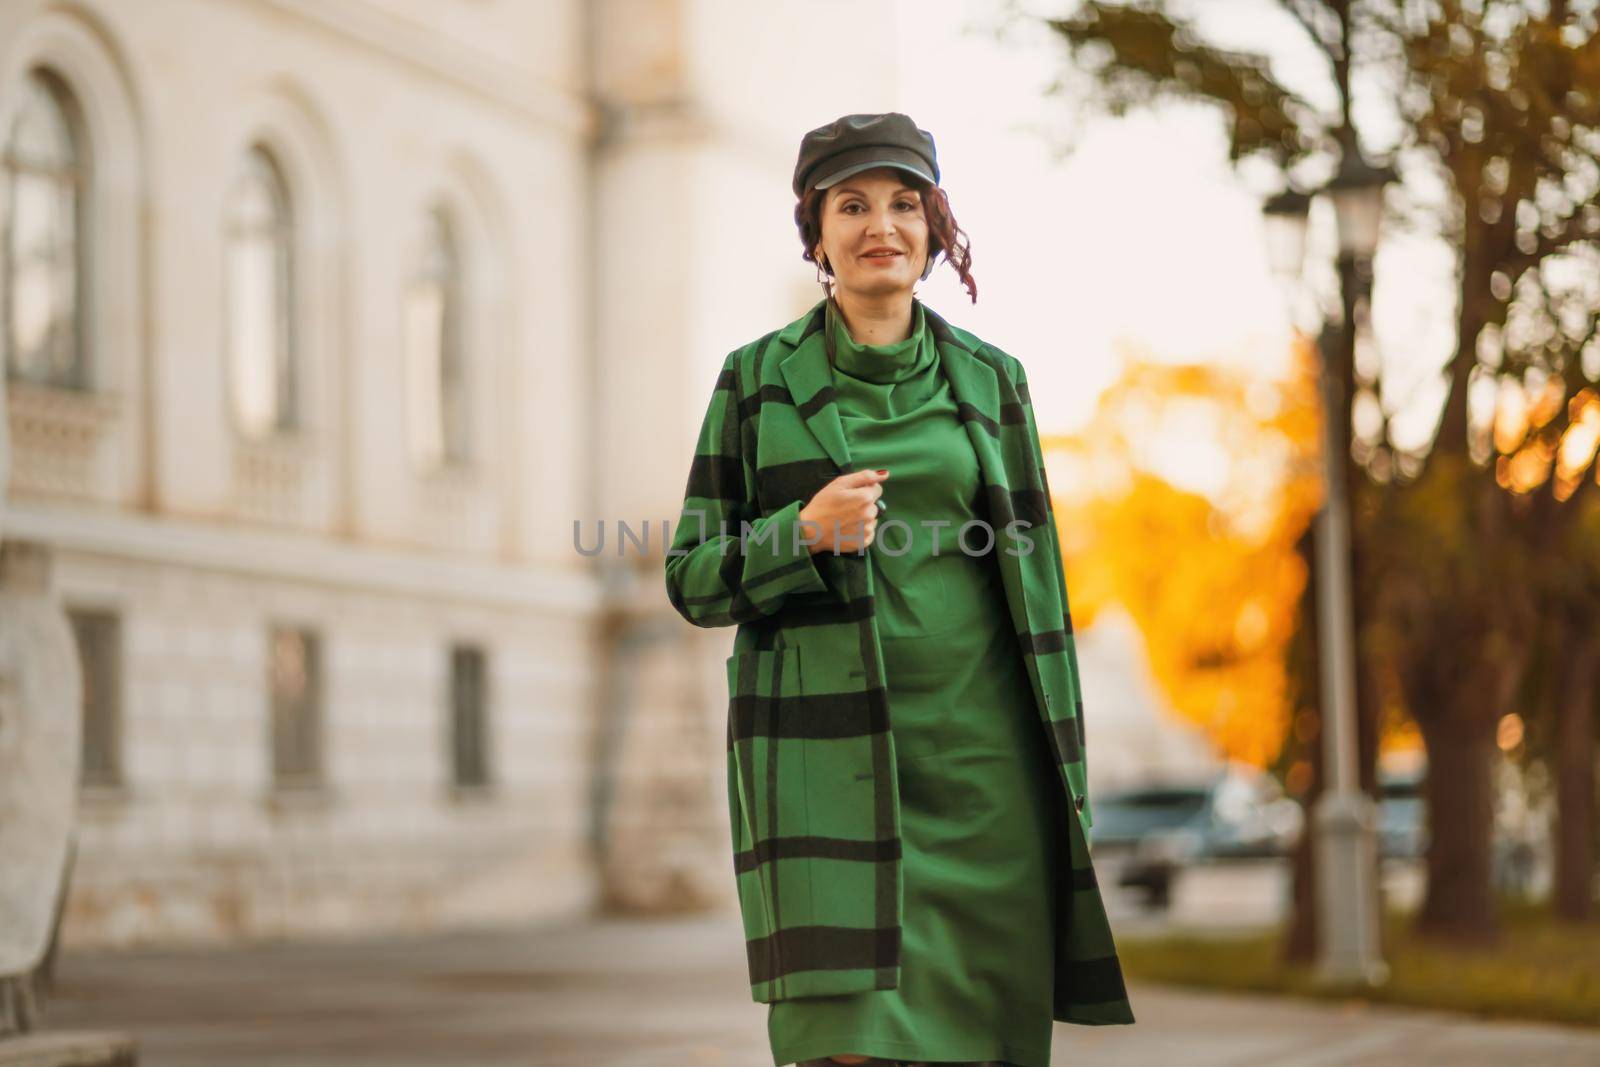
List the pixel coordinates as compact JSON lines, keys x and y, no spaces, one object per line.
{"x":1357,"y":194}
{"x":1286,"y":225}
{"x":1344,"y":817}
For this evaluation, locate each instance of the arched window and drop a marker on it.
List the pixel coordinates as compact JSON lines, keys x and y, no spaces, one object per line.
{"x":435,"y":350}
{"x":42,"y":264}
{"x":259,"y":287}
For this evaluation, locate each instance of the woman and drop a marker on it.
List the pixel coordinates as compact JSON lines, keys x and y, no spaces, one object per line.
{"x":912,"y":892}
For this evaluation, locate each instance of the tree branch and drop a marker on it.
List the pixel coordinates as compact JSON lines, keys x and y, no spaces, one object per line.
{"x":1153,"y":55}
{"x":1298,"y":10}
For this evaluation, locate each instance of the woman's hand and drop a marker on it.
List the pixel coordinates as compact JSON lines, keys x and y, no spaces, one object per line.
{"x":845,"y":512}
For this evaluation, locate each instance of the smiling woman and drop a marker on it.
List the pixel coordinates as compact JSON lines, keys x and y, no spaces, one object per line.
{"x":906,"y":775}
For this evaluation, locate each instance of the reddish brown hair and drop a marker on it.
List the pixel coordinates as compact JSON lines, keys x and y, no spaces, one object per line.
{"x":943,"y":233}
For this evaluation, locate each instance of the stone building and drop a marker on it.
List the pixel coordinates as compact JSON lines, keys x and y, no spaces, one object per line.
{"x":323,"y":324}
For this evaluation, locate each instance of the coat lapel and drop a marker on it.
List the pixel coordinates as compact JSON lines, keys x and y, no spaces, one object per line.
{"x":810,"y":382}
{"x":976,"y":388}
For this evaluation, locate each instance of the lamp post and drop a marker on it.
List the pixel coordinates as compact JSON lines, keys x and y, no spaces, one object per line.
{"x":1344,"y":817}
{"x":1286,"y":231}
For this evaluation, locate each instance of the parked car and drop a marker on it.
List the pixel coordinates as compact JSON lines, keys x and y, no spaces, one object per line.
{"x":1149,"y":833}
{"x":1402,"y":815}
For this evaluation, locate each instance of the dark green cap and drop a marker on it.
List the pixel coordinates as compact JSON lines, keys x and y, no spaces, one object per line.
{"x":854,"y":143}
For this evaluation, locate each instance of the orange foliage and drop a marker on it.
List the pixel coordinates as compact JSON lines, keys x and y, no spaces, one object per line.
{"x":1182,"y":501}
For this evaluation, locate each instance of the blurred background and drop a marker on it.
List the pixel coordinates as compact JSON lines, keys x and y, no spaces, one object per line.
{"x":334,"y":332}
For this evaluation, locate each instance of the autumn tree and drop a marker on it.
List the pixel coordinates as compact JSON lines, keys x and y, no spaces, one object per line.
{"x":1218,"y":613}
{"x":1499,"y":103}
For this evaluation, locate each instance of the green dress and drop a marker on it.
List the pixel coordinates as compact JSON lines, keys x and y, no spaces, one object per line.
{"x":979,"y":800}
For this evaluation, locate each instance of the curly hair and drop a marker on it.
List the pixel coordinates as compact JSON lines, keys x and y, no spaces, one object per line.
{"x":944,"y":235}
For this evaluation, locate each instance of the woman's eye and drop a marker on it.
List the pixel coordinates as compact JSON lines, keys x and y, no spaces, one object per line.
{"x":912,"y":204}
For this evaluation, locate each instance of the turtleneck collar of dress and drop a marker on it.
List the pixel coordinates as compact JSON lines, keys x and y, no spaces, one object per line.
{"x":896,"y":361}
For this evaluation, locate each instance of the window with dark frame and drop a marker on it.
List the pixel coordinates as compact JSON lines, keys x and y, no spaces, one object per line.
{"x":469,"y":715}
{"x":294,"y":669}
{"x":99,"y":638}
{"x":44,"y":182}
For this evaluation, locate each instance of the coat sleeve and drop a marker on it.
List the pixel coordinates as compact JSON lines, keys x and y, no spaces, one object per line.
{"x":725,"y":565}
{"x":1061,"y":578}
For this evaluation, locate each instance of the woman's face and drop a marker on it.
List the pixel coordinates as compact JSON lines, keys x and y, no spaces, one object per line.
{"x":869,"y":213}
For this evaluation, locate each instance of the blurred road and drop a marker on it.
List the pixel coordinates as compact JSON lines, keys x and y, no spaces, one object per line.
{"x":661,"y":993}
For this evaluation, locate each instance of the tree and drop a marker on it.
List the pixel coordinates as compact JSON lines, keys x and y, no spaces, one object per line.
{"x":1502,"y":103}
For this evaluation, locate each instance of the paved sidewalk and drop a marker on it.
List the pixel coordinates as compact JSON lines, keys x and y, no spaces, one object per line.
{"x":672,"y":993}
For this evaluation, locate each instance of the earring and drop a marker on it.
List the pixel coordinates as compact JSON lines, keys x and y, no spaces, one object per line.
{"x":822,"y":278}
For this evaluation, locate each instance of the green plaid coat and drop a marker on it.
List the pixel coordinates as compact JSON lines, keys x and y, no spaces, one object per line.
{"x":812,"y":795}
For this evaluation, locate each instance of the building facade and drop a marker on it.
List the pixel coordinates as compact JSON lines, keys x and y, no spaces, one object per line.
{"x":307,"y":313}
